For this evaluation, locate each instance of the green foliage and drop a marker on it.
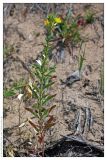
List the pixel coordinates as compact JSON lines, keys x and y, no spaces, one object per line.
{"x":43,"y":72}
{"x":16,"y":87}
{"x":9,"y":93}
{"x":81,"y":60}
{"x":89,"y":17}
{"x":66,"y":29}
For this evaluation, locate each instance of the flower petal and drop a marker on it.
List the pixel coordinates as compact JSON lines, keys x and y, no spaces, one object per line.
{"x":39,"y":62}
{"x":20,"y":96}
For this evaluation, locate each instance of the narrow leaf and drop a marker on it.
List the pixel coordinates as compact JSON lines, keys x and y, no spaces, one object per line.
{"x":48,"y":85}
{"x":49,"y":125}
{"x":30,"y":110}
{"x":9,"y":93}
{"x":33,"y":125}
{"x":34,"y":112}
{"x":50,"y":120}
{"x":45,"y":113}
{"x":38,"y":74}
{"x":48,"y":98}
{"x":51,"y":108}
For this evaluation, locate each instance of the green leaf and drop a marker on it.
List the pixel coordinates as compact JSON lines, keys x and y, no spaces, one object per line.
{"x":15,"y":87}
{"x":81,"y":60}
{"x":89,"y":17}
{"x":48,"y":98}
{"x":9,"y":93}
{"x":51,"y":70}
{"x":19,"y":86}
{"x":36,"y":65}
{"x":44,"y":113}
{"x":36,"y":92}
{"x":35,"y":106}
{"x":38,"y":74}
{"x":48,"y":85}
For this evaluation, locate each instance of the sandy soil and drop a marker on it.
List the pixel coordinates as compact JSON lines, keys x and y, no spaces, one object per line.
{"x":21,"y":32}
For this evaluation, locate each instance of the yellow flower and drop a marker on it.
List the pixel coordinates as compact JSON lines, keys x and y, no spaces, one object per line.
{"x":58,"y":20}
{"x":46,"y":22}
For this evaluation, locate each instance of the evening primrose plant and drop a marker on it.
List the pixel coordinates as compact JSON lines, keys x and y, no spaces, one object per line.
{"x":67,"y":29}
{"x":63,"y":29}
{"x":42,"y":71}
{"x":39,"y":90}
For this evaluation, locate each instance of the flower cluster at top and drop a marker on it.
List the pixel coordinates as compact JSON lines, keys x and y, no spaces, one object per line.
{"x":52,"y":20}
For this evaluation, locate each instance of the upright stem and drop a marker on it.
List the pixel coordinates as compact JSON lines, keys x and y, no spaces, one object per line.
{"x":43,"y":146}
{"x":44,"y":61}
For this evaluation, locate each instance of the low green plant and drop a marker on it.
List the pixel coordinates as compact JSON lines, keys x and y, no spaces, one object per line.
{"x":89,"y":17}
{"x":65,"y":29}
{"x":39,"y":90}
